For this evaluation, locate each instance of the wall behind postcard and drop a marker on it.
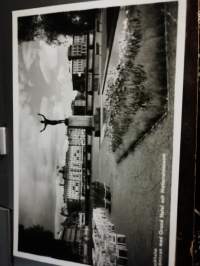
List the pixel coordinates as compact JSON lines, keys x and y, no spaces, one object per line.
{"x":6,"y":162}
{"x":185,"y":223}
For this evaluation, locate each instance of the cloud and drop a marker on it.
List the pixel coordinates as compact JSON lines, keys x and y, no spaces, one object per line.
{"x":48,"y":56}
{"x":29,"y":53}
{"x":41,"y":153}
{"x":37,"y":184}
{"x":61,"y":74}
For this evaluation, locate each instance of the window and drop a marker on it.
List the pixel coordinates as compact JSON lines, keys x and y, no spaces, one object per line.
{"x":121,"y":261}
{"x":98,"y":26}
{"x":97,"y":49}
{"x":123,"y":253}
{"x":121,"y":240}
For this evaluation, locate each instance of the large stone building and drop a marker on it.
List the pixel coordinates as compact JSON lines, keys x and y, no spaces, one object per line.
{"x":74,"y":185}
{"x":109,"y":247}
{"x":81,"y":121}
{"x":78,"y":50}
{"x":81,"y":55}
{"x":76,"y":136}
{"x":73,"y":188}
{"x":78,"y":54}
{"x":79,"y":104}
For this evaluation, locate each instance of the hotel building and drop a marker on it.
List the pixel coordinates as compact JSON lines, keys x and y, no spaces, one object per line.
{"x":75,"y":165}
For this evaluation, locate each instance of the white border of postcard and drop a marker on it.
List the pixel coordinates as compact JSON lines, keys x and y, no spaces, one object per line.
{"x":181,"y":33}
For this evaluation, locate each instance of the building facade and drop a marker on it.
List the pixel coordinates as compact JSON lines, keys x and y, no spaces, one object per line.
{"x":78,"y":54}
{"x":75,"y":165}
{"x":79,"y":67}
{"x":81,"y":121}
{"x":76,"y":136}
{"x":109,"y":247}
{"x":78,"y":107}
{"x":78,"y":50}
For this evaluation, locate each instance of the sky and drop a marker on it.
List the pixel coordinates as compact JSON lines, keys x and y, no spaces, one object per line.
{"x":45,"y":86}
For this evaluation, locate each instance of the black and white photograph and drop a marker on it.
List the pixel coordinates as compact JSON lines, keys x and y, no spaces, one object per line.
{"x":97,"y":96}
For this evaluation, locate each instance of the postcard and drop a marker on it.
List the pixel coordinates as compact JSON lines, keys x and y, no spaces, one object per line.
{"x":97,"y":96}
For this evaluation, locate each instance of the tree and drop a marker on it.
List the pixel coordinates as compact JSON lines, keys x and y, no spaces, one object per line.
{"x":53,"y":25}
{"x":28,"y":28}
{"x":37,"y":240}
{"x":67,"y":23}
